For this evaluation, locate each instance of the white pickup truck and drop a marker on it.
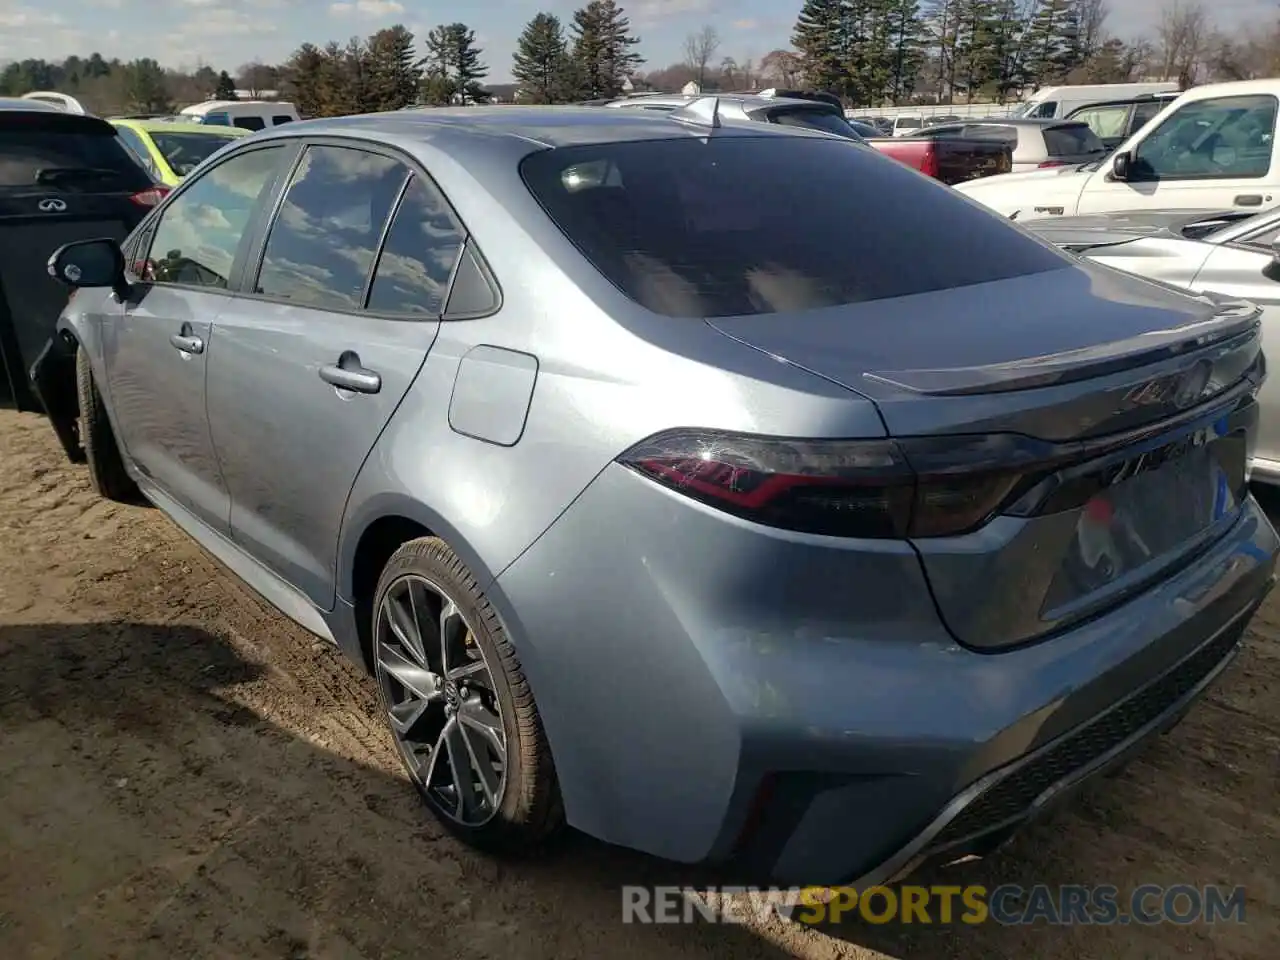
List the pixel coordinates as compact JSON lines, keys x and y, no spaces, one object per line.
{"x":1213,"y":148}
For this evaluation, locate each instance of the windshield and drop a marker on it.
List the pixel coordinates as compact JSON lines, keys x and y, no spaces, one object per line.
{"x":716,"y":227}
{"x":186,"y":151}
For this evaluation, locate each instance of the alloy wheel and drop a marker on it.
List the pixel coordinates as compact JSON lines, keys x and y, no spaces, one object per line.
{"x":441,"y":701}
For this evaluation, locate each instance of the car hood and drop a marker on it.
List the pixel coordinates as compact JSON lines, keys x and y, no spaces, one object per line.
{"x":1100,"y":230}
{"x":1030,"y":195}
{"x":968,"y":352}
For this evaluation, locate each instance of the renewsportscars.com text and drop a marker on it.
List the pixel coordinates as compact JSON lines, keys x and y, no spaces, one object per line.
{"x":1010,"y":904}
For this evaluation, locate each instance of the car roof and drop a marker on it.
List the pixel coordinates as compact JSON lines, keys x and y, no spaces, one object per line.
{"x":749,"y":101}
{"x":1125,"y":101}
{"x":536,"y":126}
{"x":32,"y":106}
{"x":173,"y":126}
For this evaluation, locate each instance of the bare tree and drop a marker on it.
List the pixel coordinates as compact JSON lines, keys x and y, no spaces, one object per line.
{"x":1093,"y":16}
{"x":1182,"y":36}
{"x":699,"y":48}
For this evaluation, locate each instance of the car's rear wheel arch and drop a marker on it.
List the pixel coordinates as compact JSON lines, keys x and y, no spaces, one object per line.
{"x":378,"y":541}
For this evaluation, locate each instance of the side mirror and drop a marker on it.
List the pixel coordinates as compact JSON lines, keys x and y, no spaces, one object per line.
{"x":1121,"y":165}
{"x":90,"y":263}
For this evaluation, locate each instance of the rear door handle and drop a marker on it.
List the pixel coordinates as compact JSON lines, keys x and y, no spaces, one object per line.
{"x":186,"y":343}
{"x":1249,"y":200}
{"x":349,"y":374}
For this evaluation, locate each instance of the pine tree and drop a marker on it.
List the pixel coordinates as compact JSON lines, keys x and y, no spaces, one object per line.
{"x":1044,"y":42}
{"x":146,"y":87}
{"x":453,"y":67}
{"x":226,"y":87}
{"x":908,"y":39}
{"x":602,"y":49}
{"x":394,"y":74}
{"x":824,"y":35}
{"x":541,"y":61}
{"x":304,"y":77}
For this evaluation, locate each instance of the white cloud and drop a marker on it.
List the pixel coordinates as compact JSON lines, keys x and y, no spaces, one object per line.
{"x":651,"y":10}
{"x":365,"y":8}
{"x":25,"y":18}
{"x":747,"y":24}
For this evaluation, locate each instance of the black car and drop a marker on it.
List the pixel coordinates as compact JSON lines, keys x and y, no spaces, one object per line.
{"x":63,"y":177}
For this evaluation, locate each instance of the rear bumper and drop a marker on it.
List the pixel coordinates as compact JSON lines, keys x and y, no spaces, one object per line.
{"x":715,"y":691}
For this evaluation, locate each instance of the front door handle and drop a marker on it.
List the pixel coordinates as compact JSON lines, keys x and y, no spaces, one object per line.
{"x":349,"y":374}
{"x":1249,"y":200}
{"x":187,"y":343}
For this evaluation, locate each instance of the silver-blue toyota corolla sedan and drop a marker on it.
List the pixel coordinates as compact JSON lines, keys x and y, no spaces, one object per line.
{"x":731,"y":493}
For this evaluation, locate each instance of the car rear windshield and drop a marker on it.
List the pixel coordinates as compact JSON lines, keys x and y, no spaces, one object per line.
{"x":185,"y":151}
{"x":825,"y":120}
{"x":1072,"y":140}
{"x":55,"y":153}
{"x":739,"y":224}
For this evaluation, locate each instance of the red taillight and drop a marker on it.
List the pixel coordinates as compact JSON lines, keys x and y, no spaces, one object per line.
{"x":150,"y":196}
{"x":929,"y":163}
{"x":1052,"y":163}
{"x":845,"y":488}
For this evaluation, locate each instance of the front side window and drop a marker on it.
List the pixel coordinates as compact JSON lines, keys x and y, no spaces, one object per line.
{"x":217,"y":119}
{"x":321,"y":247}
{"x":198,"y":234}
{"x":1045,"y":110}
{"x":1221,"y":138}
{"x":417,"y":260}
{"x":768,"y":225}
{"x":1143,"y":113}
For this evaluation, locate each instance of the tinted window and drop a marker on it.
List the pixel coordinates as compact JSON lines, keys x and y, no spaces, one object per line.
{"x":991,"y":131}
{"x":186,"y":151}
{"x":321,"y":246}
{"x":134,"y":142}
{"x":1222,"y":137}
{"x":823,"y":120}
{"x":59,"y":153}
{"x":1143,"y":113}
{"x":282,"y":119}
{"x":419,"y":254}
{"x":250,"y":123}
{"x":217,"y":119}
{"x":738,"y":225}
{"x":198,"y":234}
{"x":1072,"y":140}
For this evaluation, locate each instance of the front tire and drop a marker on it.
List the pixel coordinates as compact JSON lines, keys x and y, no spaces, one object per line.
{"x":102,"y":453}
{"x":458,"y":705}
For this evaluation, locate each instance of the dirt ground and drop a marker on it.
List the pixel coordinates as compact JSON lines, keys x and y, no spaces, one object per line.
{"x":185,"y":774}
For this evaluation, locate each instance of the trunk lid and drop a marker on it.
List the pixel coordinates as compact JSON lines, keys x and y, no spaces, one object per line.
{"x":1126,"y":408}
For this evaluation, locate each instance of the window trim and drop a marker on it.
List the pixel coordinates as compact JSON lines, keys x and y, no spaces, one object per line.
{"x":257,"y":253}
{"x":243,"y":247}
{"x":1199,"y":177}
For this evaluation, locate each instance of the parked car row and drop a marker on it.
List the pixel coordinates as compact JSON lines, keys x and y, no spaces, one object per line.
{"x":864,"y":521}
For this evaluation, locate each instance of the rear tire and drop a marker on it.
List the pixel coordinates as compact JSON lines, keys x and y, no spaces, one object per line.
{"x":102,"y":453}
{"x":510,"y":805}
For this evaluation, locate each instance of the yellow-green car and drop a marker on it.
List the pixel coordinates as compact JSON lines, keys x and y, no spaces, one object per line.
{"x":170,"y":150}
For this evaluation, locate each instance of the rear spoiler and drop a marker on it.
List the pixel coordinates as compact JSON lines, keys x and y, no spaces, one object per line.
{"x":55,"y":120}
{"x":1232,"y":318}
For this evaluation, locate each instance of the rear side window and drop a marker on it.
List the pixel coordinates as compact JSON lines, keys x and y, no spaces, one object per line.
{"x":739,"y":225}
{"x":321,"y":247}
{"x":277,"y":121}
{"x":250,"y":123}
{"x":1072,"y":140}
{"x":417,"y":260}
{"x":810,"y":119}
{"x":992,"y":131}
{"x":1143,"y":113}
{"x":59,"y":153}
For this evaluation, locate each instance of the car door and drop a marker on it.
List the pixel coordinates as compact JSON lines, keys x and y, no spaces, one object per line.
{"x":313,"y":359}
{"x":1212,"y":154}
{"x":156,"y":349}
{"x":1248,"y":269}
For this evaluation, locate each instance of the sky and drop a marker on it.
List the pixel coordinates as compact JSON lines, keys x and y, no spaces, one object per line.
{"x":227,"y":33}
